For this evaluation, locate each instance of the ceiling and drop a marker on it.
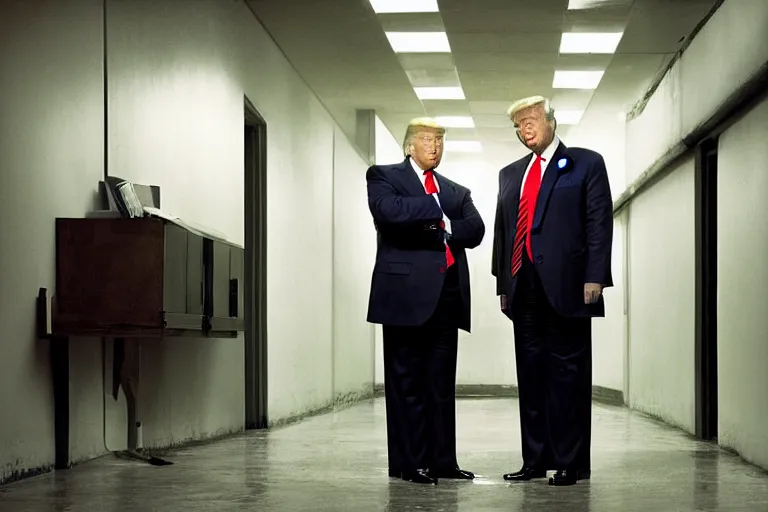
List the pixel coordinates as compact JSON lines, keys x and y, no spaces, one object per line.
{"x":500,"y":51}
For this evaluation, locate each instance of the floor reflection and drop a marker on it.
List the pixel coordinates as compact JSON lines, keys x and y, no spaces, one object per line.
{"x":337,"y":462}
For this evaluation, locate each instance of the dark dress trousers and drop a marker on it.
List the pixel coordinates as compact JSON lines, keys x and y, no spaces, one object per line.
{"x":421,"y":304}
{"x":571,"y":238}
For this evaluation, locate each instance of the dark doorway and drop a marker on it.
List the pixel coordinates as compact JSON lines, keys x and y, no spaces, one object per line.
{"x":706,"y":290}
{"x":255,"y":133}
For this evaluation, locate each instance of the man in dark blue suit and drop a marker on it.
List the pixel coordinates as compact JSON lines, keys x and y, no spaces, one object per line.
{"x":420,"y":295}
{"x":551,"y":259}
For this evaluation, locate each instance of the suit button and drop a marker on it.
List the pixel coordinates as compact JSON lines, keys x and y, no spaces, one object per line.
{"x":539,"y":259}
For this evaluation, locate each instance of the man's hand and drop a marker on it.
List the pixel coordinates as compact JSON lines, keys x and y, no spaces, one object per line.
{"x":592,"y":292}
{"x":503,"y":302}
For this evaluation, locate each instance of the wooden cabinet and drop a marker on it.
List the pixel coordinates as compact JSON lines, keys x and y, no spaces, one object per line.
{"x":144,"y":278}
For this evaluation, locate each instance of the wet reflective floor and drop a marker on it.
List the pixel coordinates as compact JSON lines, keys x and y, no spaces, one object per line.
{"x":337,"y":462}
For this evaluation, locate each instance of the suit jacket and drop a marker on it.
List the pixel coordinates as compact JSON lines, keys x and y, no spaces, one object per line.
{"x":410,"y":268}
{"x":572,"y":232}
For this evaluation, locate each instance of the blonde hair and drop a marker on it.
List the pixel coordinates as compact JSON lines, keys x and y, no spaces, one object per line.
{"x":417,"y":125}
{"x":529,"y":102}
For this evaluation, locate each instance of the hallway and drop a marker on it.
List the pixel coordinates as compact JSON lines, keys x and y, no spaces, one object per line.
{"x":337,"y":462}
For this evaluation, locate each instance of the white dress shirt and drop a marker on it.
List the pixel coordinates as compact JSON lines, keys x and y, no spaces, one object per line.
{"x":546,"y":156}
{"x":420,"y":173}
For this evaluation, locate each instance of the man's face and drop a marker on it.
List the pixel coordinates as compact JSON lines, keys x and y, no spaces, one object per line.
{"x":537,"y":133}
{"x":427,"y":148}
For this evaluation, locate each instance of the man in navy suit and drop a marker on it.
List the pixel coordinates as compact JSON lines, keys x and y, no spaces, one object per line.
{"x":551,"y":259}
{"x":420,"y":295}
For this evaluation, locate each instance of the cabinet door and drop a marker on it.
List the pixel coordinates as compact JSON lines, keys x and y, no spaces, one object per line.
{"x":237,"y":282}
{"x":220,"y":285}
{"x":194,"y":274}
{"x":175,"y":269}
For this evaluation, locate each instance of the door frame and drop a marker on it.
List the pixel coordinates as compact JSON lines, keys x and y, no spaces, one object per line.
{"x":705,"y":352}
{"x":255,"y":290}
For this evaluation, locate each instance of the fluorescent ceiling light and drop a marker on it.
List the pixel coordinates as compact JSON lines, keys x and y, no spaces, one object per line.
{"x":590,"y":42}
{"x":398,"y":6}
{"x":577,"y":79}
{"x":574,"y":5}
{"x":463,"y":146}
{"x":439,"y":93}
{"x":568,"y":116}
{"x":455,"y":121}
{"x":419,"y":42}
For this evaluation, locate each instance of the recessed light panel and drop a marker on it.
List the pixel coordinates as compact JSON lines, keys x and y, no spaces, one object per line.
{"x":439,"y":93}
{"x":590,"y":42}
{"x":577,"y":79}
{"x":419,"y":42}
{"x":403,"y":6}
{"x":463,"y":146}
{"x":568,"y":116}
{"x":574,"y":5}
{"x":455,"y":121}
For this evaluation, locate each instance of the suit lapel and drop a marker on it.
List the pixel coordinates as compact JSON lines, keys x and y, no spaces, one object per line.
{"x":447,"y":193}
{"x":517,"y":182}
{"x":410,"y":179}
{"x":548,"y":183}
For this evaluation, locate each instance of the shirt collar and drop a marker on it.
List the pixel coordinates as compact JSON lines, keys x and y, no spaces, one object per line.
{"x":550,"y":151}
{"x":415,"y":166}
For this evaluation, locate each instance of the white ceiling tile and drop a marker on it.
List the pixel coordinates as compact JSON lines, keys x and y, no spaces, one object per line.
{"x":501,"y":50}
{"x":446,"y":108}
{"x":433,"y":77}
{"x":411,"y":22}
{"x":421,"y":61}
{"x":489,"y":107}
{"x":492,"y":121}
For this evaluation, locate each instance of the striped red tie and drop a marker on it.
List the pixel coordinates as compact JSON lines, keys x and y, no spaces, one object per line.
{"x":525,"y":212}
{"x":431,"y":187}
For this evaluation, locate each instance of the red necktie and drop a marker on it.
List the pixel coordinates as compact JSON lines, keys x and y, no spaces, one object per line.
{"x":525,"y":212}
{"x":431,"y":187}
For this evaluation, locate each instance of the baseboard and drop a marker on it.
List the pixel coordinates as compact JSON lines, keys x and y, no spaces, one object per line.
{"x":608,"y":396}
{"x":340,"y":402}
{"x":600,"y":394}
{"x":163,"y":447}
{"x":23,"y":474}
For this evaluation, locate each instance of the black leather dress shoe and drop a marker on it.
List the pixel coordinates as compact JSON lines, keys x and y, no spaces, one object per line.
{"x":525,"y":474}
{"x":453,"y":474}
{"x":419,"y":476}
{"x":564,"y":477}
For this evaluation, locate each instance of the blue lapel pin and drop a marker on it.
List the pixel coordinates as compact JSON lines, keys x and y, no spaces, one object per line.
{"x":564,"y":163}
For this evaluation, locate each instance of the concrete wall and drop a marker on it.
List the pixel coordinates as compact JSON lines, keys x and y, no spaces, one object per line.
{"x":742,"y":280}
{"x":177,"y":78}
{"x":661,"y":222}
{"x":661,"y":281}
{"x":51,"y":136}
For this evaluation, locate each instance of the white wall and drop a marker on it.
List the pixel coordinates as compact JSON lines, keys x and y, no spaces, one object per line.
{"x":177,"y":77}
{"x":662,"y":299}
{"x":51,"y":137}
{"x":706,"y":74}
{"x":742,"y":287}
{"x":354,"y":250}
